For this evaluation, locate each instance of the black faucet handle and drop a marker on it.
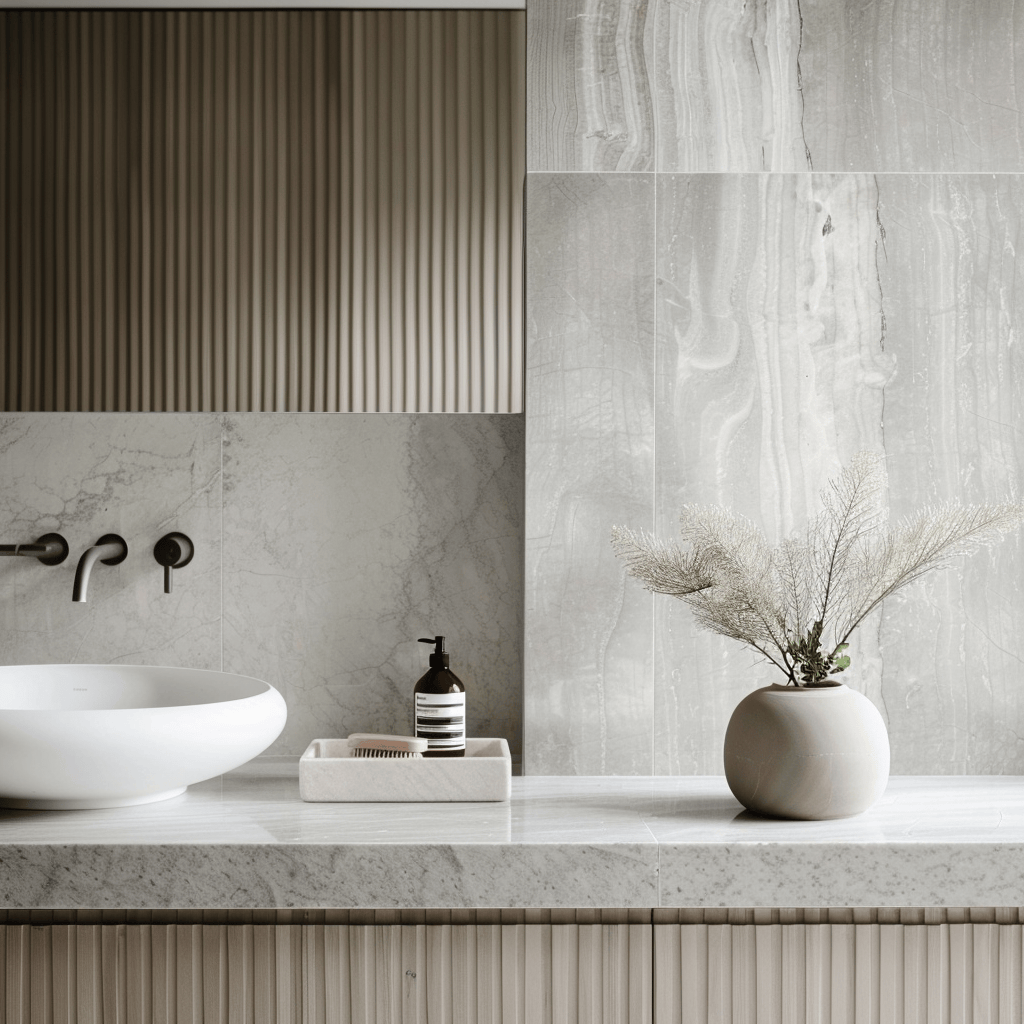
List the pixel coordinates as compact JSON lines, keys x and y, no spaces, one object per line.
{"x":173,"y":551}
{"x":50,"y":549}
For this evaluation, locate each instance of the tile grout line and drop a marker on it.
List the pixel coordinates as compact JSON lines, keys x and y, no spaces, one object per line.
{"x":654,"y":473}
{"x":654,"y":500}
{"x":684,"y":172}
{"x":223,"y":424}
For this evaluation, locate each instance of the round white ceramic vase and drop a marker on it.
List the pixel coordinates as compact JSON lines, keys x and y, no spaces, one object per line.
{"x":806,"y":752}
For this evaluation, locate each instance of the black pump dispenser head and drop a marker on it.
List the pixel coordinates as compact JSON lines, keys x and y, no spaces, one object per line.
{"x":439,"y":659}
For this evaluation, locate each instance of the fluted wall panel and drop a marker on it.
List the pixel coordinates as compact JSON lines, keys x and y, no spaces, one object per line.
{"x":261,"y":210}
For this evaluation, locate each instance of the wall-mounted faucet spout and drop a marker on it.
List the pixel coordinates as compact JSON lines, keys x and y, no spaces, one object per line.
{"x":50,"y":549}
{"x":110,"y":549}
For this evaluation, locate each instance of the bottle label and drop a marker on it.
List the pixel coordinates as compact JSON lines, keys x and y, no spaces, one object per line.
{"x":441,"y":720}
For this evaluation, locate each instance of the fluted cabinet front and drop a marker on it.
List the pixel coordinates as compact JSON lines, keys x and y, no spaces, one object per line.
{"x":838,"y":973}
{"x":280,"y":211}
{"x":327,"y":974}
{"x":514,"y":973}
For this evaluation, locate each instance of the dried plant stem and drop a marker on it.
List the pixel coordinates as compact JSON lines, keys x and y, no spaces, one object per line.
{"x":786,"y":602}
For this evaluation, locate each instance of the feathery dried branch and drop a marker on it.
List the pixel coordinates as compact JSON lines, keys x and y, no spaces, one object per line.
{"x":798,"y":603}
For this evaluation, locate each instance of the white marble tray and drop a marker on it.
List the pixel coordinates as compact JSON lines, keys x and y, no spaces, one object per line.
{"x":328,"y":773}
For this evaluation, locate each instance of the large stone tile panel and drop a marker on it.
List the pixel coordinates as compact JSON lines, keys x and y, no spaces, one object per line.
{"x":349,"y":537}
{"x":590,"y":435}
{"x":801,"y":319}
{"x":589,"y":100}
{"x":770,"y":377}
{"x":727,"y":86}
{"x":952,"y":287}
{"x":900,"y":85}
{"x":87,"y":474}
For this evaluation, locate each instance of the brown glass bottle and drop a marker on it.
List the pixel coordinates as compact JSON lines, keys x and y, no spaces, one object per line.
{"x":440,"y":706}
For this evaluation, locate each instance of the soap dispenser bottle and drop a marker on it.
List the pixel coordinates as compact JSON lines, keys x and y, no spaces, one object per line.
{"x":440,"y":698}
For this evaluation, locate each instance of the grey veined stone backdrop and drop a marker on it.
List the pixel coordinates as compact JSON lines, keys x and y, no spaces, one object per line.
{"x":325,"y":545}
{"x":770,"y":327}
{"x":785,"y":85}
{"x":698,"y":332}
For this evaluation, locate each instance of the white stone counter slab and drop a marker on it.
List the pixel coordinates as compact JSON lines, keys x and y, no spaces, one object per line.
{"x":930,"y":841}
{"x":246,"y":840}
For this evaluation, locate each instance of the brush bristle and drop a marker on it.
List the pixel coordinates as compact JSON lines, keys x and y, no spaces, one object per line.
{"x":369,"y":744}
{"x":374,"y":752}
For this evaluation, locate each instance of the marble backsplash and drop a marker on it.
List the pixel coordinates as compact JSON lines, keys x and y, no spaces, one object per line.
{"x":760,"y":237}
{"x":785,"y":85}
{"x":735,"y":339}
{"x":325,"y":545}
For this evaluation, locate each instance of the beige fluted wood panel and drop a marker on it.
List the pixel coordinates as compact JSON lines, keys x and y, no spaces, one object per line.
{"x":838,"y":973}
{"x":338,"y":1002}
{"x":62,"y":960}
{"x":314,"y":975}
{"x":18,"y":979}
{"x":327,"y":974}
{"x":961,"y":972}
{"x":844,"y":973}
{"x":641,"y":966}
{"x":513,"y":974}
{"x":819,"y":972}
{"x":538,"y":969}
{"x":744,"y":975}
{"x":890,"y":973}
{"x":261,"y":210}
{"x":1011,"y":992}
{"x":165,"y":969}
{"x":590,"y":972}
{"x":565,"y":945}
{"x":463,"y":971}
{"x":241,"y":973}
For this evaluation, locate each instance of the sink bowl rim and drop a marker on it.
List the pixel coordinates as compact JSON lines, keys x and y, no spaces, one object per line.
{"x":261,"y":686}
{"x":73,"y":757}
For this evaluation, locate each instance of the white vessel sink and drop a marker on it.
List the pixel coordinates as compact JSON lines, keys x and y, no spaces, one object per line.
{"x":75,"y":736}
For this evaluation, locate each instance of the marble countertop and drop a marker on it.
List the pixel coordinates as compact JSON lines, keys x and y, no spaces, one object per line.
{"x":246,"y":840}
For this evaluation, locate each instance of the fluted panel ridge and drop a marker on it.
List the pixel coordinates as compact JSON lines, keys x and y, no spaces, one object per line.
{"x":261,"y":210}
{"x":838,"y":973}
{"x":328,"y":974}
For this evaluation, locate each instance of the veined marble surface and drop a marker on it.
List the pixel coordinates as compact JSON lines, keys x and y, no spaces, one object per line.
{"x":346,"y":538}
{"x":246,"y":840}
{"x":590,"y":266}
{"x":86,"y":474}
{"x":792,"y":85}
{"x":797,"y":319}
{"x":326,"y":544}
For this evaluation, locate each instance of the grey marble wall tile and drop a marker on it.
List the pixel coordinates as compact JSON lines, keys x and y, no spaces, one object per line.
{"x":590,"y":288}
{"x":725,"y":85}
{"x":589,"y":104}
{"x":727,"y":88}
{"x":904,"y":86}
{"x":770,"y":375}
{"x":952,"y":285}
{"x":347,"y":538}
{"x":84,"y":475}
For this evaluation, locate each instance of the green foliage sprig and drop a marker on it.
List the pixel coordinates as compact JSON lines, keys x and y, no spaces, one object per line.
{"x":797,"y":603}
